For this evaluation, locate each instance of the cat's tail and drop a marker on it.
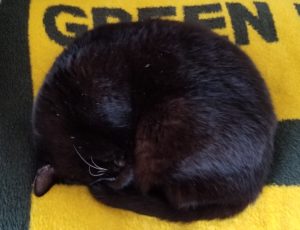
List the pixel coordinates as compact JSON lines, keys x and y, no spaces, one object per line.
{"x":130,"y":199}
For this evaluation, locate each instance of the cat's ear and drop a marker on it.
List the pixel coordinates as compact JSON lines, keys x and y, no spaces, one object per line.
{"x":44,"y":180}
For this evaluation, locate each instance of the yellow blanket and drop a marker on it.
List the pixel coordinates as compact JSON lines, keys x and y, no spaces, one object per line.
{"x":268,"y":31}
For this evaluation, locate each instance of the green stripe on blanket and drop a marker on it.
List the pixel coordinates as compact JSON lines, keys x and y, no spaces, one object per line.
{"x":286,"y":166}
{"x":16,"y":160}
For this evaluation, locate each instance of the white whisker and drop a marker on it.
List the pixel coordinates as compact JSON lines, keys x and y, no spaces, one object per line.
{"x":84,"y":160}
{"x":103,"y":179}
{"x":98,"y":167}
{"x":100,"y":173}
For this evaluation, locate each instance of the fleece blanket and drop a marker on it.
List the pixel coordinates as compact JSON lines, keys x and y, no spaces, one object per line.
{"x":33,"y":33}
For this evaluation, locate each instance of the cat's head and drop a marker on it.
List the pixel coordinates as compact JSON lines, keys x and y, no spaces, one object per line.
{"x":82,"y":135}
{"x":84,"y":157}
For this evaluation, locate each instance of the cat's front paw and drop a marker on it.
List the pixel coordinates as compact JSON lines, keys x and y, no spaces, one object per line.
{"x":122,"y":180}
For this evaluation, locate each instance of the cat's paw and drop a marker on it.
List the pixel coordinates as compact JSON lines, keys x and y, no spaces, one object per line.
{"x":99,"y":191}
{"x":122,"y":180}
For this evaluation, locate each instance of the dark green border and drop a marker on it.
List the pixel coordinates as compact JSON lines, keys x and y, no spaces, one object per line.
{"x":286,"y":165}
{"x":16,"y":158}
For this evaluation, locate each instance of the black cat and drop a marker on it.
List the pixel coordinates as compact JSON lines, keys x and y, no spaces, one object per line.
{"x":158,"y":117}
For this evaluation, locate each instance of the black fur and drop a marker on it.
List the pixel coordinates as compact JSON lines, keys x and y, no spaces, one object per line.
{"x":178,"y":116}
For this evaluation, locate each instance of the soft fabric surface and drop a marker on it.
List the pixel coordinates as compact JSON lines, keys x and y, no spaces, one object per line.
{"x":33,"y":33}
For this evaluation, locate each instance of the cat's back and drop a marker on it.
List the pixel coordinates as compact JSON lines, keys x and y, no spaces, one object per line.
{"x":154,"y":61}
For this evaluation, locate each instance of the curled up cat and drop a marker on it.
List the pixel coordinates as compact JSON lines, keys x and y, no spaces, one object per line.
{"x":162,"y":118}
